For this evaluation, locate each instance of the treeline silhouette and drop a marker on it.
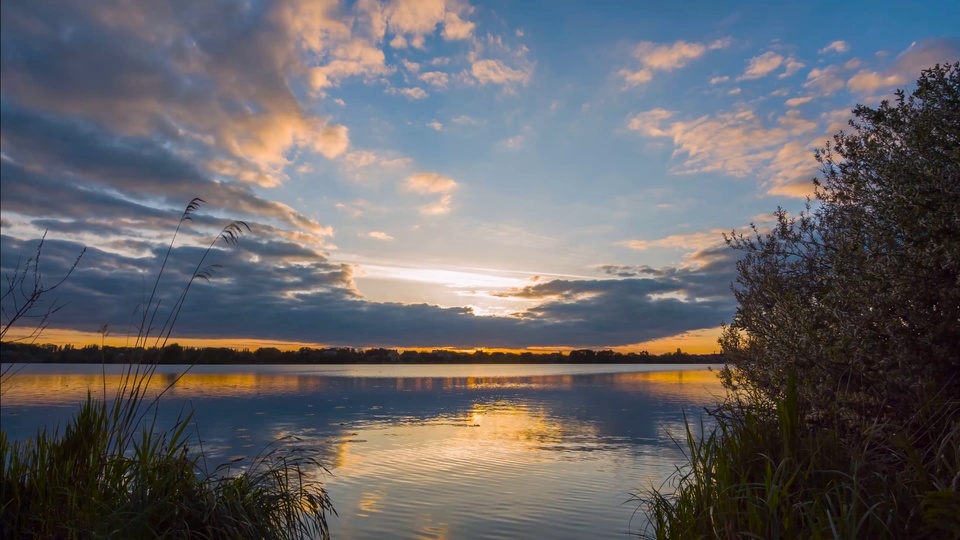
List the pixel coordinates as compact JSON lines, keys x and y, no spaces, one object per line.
{"x":177,"y":354}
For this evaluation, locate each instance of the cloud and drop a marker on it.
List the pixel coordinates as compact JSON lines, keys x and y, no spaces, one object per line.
{"x":797,"y":101}
{"x":654,"y":57}
{"x":282,"y":291}
{"x":718,"y":80}
{"x":826,"y":80}
{"x":514,"y":143}
{"x":429,"y":183}
{"x":378,"y":235}
{"x":649,"y":122}
{"x":409,"y":93}
{"x":496,"y":72}
{"x":871,"y":81}
{"x":906,"y":66}
{"x":836,"y":46}
{"x":438,"y":207}
{"x":413,"y":20}
{"x":690,"y":241}
{"x":455,"y":28}
{"x":435,"y":78}
{"x":226,"y":94}
{"x":763,"y":65}
{"x":432,"y":184}
{"x":59,"y":160}
{"x":769,"y":62}
{"x":465,"y":120}
{"x":356,"y":58}
{"x":792,"y":67}
{"x":360,"y":159}
{"x":738,"y":143}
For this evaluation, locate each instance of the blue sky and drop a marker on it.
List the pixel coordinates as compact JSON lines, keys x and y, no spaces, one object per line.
{"x":432,"y":173}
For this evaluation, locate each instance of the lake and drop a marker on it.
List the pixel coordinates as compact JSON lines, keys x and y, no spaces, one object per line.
{"x":429,"y":451}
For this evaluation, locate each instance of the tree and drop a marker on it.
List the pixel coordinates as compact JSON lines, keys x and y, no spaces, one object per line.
{"x":859,"y":295}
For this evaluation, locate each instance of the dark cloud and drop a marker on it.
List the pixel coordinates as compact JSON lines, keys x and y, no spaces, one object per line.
{"x":276,"y":290}
{"x":203,"y":73}
{"x":709,"y":275}
{"x":54,"y":163}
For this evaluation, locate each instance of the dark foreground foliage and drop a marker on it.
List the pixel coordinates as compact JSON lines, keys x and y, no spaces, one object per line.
{"x":113,"y":473}
{"x":843,"y":419}
{"x":97,"y":480}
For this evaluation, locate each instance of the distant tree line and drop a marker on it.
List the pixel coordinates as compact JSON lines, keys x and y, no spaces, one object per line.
{"x":177,"y":354}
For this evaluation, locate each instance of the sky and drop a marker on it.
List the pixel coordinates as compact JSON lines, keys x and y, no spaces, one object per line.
{"x":425,"y":173}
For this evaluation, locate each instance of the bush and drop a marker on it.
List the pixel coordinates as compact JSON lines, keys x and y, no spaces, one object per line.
{"x":859,"y":296}
{"x":843,"y":358}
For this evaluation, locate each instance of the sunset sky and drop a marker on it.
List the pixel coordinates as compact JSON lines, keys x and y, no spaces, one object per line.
{"x":428,"y":173}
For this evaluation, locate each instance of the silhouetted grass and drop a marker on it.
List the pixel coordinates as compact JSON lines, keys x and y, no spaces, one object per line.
{"x":113,"y":473}
{"x":98,"y":480}
{"x":761,"y":473}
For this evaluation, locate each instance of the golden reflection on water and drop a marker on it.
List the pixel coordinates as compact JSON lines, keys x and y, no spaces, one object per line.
{"x":62,"y":389}
{"x":444,"y":457}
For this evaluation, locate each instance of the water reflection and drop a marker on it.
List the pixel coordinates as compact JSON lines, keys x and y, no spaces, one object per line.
{"x":456,"y":456}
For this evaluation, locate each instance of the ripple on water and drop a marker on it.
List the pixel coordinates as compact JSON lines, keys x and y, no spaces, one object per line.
{"x":447,"y":456}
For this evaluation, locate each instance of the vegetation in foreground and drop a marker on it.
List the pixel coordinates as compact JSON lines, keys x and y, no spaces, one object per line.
{"x":113,"y":473}
{"x":843,"y":419}
{"x":102,"y":479}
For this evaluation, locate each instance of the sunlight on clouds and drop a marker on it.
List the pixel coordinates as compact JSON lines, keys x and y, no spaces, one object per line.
{"x":410,"y":93}
{"x":449,"y":278}
{"x":797,"y":101}
{"x":352,"y":59}
{"x":360,"y":158}
{"x":826,"y":80}
{"x":455,"y":28}
{"x":438,"y":207}
{"x":496,"y":72}
{"x":649,"y":122}
{"x":665,"y":57}
{"x":839,"y":46}
{"x":792,"y":67}
{"x":768,"y":62}
{"x":738,"y":143}
{"x":760,"y":66}
{"x":429,"y":183}
{"x":435,"y":78}
{"x":377,"y":235}
{"x":690,"y":241}
{"x":413,"y":20}
{"x":871,"y":81}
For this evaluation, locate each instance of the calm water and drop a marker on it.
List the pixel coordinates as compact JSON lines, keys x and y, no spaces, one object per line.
{"x":430,"y":451}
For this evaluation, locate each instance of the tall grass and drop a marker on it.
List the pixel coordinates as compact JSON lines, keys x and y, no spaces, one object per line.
{"x":114,"y":473}
{"x":762,"y":473}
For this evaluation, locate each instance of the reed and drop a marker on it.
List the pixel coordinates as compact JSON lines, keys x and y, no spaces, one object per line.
{"x":759,"y":472}
{"x":114,"y":473}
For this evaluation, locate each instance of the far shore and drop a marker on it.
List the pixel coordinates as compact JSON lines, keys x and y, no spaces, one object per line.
{"x":17,"y":353}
